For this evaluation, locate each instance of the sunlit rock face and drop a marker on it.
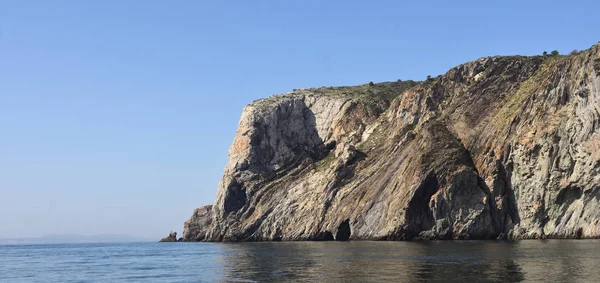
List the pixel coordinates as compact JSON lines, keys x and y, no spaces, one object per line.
{"x":195,"y":228}
{"x":499,"y":147}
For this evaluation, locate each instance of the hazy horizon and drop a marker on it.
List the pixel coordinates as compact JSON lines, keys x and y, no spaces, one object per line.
{"x":117,"y":115}
{"x":73,"y":239}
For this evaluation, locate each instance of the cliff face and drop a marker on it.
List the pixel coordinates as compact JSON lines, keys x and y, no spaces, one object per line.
{"x":195,"y":228}
{"x":498,"y":147}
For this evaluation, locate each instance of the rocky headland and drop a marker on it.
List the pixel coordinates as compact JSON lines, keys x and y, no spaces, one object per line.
{"x":501,"y":147}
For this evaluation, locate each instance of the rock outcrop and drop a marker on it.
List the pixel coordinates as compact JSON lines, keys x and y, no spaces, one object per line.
{"x":195,"y":228}
{"x":171,"y":238}
{"x":498,"y":147}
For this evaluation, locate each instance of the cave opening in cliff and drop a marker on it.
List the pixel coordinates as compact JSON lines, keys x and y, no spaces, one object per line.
{"x":324,"y":236}
{"x":235,"y":198}
{"x":343,"y":232}
{"x":418,"y":212}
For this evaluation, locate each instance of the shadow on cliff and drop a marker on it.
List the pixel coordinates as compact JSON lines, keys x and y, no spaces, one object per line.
{"x":281,"y":145}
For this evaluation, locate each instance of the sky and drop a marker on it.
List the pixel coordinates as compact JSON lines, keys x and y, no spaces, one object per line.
{"x":116,"y":115}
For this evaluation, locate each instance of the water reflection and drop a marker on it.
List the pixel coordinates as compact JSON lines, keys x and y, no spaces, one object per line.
{"x":477,"y":261}
{"x":560,"y":260}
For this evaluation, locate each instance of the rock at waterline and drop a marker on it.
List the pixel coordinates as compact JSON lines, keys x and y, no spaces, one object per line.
{"x":171,"y":238}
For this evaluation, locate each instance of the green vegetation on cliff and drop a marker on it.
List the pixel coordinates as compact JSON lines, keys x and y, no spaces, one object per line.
{"x":376,"y":91}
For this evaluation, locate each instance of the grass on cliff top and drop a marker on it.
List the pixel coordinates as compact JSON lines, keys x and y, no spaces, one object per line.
{"x":379,"y":91}
{"x":385,"y":91}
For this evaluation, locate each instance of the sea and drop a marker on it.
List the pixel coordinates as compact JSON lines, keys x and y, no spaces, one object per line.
{"x":441,"y":261}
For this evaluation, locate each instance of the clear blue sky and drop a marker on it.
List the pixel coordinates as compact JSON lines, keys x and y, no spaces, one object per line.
{"x":116,"y":116}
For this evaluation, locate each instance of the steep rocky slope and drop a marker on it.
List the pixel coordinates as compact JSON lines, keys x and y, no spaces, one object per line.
{"x":497,"y":147}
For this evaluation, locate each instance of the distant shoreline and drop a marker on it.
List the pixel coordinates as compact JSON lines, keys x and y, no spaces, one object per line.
{"x":73,"y":239}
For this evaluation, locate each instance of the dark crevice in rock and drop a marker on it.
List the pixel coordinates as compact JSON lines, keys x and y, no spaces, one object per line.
{"x":578,"y":233}
{"x":568,"y":195}
{"x":494,"y":211}
{"x":545,"y":221}
{"x":324,"y":236}
{"x":235,"y":197}
{"x":330,"y":146}
{"x":512,"y":206}
{"x":278,"y":235}
{"x":343,"y":232}
{"x":418,"y":214}
{"x":356,"y":157}
{"x":258,"y":162}
{"x":506,"y":192}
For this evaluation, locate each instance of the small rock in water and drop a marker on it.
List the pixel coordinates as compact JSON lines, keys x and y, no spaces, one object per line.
{"x":171,"y":238}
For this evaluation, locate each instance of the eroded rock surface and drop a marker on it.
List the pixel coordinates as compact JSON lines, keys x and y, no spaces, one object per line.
{"x":195,"y":228}
{"x":497,"y":147}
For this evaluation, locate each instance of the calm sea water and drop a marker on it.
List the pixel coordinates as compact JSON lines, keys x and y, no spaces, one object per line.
{"x":475,"y":261}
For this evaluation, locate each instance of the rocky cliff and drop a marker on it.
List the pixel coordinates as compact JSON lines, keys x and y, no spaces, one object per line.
{"x":498,"y":147}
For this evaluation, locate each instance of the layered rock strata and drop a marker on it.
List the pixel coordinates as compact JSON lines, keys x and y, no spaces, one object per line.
{"x":501,"y":147}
